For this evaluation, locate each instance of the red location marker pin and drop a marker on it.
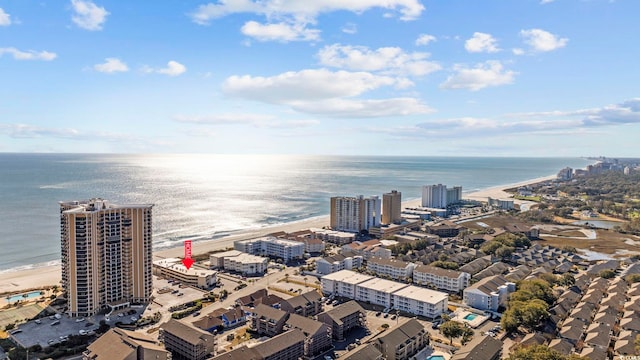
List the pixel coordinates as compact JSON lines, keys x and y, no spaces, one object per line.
{"x":187,"y":261}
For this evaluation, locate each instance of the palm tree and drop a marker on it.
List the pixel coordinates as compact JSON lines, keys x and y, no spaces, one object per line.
{"x":305,"y":281}
{"x":286,"y":278}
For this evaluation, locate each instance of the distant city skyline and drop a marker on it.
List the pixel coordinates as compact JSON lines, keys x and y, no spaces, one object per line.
{"x":392,"y":77}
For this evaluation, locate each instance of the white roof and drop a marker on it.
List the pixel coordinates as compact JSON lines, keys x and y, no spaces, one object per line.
{"x":421,"y":294}
{"x":348,"y":276}
{"x":382,"y":285}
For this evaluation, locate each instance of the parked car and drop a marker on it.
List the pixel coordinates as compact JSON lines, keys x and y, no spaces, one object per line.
{"x":378,"y":313}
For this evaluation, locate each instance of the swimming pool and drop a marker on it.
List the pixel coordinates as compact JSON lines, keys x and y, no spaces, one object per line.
{"x":435,"y":357}
{"x":470,"y":317}
{"x":30,"y":295}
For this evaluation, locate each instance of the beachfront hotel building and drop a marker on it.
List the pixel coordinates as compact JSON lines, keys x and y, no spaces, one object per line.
{"x":173,"y":269}
{"x":392,"y":207}
{"x":355,"y":214}
{"x":106,"y":255}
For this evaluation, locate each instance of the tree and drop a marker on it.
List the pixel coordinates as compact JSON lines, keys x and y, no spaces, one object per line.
{"x":567,"y":280}
{"x":504,"y":251}
{"x":607,"y":274}
{"x":537,"y":352}
{"x":467,"y":334}
{"x":530,"y":314}
{"x":633,"y":278}
{"x":451,"y":329}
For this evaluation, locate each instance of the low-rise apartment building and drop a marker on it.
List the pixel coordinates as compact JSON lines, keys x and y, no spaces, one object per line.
{"x":333,"y":236}
{"x":331,"y":264}
{"x":403,"y":342}
{"x":391,"y":294}
{"x":445,"y":279}
{"x":307,"y":304}
{"x":488,"y":293}
{"x":287,"y":250}
{"x":184,"y":341}
{"x":343,"y":318}
{"x":343,"y":283}
{"x":267,"y":320}
{"x":420,"y":301}
{"x":378,"y":291}
{"x":124,"y":344}
{"x":239,"y":262}
{"x":393,"y":268}
{"x":286,"y":346}
{"x":173,"y":269}
{"x":317,"y":334}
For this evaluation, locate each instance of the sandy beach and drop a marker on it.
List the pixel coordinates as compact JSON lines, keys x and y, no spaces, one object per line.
{"x":15,"y":281}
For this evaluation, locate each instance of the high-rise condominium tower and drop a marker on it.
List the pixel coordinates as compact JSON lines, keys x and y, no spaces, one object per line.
{"x":434,"y":196}
{"x":391,"y":207}
{"x":106,"y":255}
{"x":355,"y":213}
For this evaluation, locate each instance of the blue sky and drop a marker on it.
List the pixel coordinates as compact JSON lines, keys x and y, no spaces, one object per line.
{"x":354,"y":77}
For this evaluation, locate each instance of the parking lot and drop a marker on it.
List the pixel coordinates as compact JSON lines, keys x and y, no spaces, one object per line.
{"x":50,"y":330}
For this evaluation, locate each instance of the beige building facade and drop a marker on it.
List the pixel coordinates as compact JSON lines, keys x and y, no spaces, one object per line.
{"x":106,"y":254}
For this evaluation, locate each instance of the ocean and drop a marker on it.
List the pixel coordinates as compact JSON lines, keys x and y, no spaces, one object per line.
{"x":203,"y":197}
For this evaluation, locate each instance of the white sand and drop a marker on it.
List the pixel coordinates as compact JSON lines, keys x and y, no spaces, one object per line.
{"x":50,"y":275}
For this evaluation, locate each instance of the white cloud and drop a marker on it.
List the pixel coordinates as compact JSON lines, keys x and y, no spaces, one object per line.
{"x":88,"y":15}
{"x":425,"y":39}
{"x":391,"y":60}
{"x":256,"y":120}
{"x":347,"y":108}
{"x":489,"y":73}
{"x":481,"y":42}
{"x":5,"y":19}
{"x":350,"y":28}
{"x":111,"y":65}
{"x":546,"y":1}
{"x":282,"y":31}
{"x":542,"y":41}
{"x":302,"y":10}
{"x":27,"y":131}
{"x":626,"y":112}
{"x":173,"y":68}
{"x":517,"y":51}
{"x":29,"y":54}
{"x":305,"y":85}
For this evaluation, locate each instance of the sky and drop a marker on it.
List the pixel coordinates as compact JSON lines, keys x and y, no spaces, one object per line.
{"x":343,"y":77}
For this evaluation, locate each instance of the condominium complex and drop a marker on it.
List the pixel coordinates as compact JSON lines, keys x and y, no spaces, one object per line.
{"x":186,"y":342}
{"x":106,"y":255}
{"x":445,"y":279}
{"x":392,"y":207}
{"x":438,"y":196}
{"x":392,"y":268}
{"x":391,"y":294}
{"x":402,"y":342}
{"x":239,"y":262}
{"x":286,"y":250}
{"x":355,"y":214}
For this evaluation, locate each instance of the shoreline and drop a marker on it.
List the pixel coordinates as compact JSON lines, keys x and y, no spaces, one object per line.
{"x":47,"y":275}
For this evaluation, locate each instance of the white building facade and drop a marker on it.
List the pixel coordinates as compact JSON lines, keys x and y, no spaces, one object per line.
{"x":434,"y":196}
{"x":286,"y":250}
{"x":395,"y":269}
{"x":444,"y":279}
